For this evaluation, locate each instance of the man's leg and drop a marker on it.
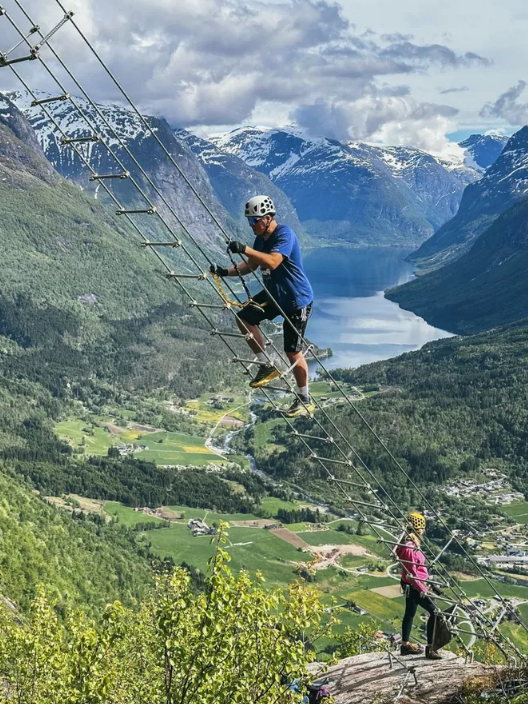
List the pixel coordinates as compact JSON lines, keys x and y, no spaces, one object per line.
{"x":300,"y":372}
{"x":293,"y":332}
{"x":256,"y":342}
{"x":248,"y":320}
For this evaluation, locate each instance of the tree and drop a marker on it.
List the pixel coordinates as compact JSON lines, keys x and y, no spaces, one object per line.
{"x":352,"y":643}
{"x":362,"y":529}
{"x":233,"y":642}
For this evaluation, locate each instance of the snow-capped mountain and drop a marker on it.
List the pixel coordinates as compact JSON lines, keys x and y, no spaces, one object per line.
{"x":234,"y":181}
{"x":121,"y":127}
{"x":481,"y":151}
{"x":504,"y":182}
{"x":358,"y":192}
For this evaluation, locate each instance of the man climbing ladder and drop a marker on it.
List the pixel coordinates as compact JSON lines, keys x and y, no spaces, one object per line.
{"x":276,"y":251}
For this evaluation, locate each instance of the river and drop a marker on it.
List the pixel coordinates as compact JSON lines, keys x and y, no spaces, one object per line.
{"x":350,"y":313}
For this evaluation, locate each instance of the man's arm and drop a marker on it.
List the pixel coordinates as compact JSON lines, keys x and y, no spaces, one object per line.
{"x":243,"y":268}
{"x":261,"y":259}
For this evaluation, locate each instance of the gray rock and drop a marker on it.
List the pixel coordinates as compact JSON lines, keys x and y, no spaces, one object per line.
{"x":89,"y":299}
{"x":370,"y":678}
{"x":22,"y":161}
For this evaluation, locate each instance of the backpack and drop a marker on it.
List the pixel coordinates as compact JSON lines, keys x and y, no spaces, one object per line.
{"x":317,"y":694}
{"x":442,"y":634}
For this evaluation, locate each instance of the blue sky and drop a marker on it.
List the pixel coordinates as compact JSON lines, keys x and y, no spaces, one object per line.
{"x":407,"y":72}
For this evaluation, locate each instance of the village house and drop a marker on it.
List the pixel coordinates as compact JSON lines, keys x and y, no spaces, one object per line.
{"x":200,"y":528}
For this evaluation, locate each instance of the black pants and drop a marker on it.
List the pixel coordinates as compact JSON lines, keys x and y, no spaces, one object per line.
{"x":267,"y":311}
{"x":414,"y":600}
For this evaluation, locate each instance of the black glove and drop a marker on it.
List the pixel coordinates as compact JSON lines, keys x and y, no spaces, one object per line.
{"x":238,"y":248}
{"x":219,"y":271}
{"x":437,"y":590}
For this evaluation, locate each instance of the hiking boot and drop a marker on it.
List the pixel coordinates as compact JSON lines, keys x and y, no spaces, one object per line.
{"x":300,"y":407}
{"x":265,"y":374}
{"x":410,"y":649}
{"x":432,"y":654}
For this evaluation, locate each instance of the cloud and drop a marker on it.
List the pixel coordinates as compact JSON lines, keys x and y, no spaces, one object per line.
{"x":209,"y":62}
{"x":460,"y":89}
{"x":507,"y":107}
{"x":401,"y":119}
{"x":396,"y":37}
{"x":429,"y":54}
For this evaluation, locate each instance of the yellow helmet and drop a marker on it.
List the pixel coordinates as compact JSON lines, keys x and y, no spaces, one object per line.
{"x":417,"y":521}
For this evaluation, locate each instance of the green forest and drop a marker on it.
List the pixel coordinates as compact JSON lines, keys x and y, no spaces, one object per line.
{"x":80,"y":561}
{"x":452,"y":407}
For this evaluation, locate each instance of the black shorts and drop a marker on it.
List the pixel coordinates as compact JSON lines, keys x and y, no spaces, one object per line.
{"x":267,"y":311}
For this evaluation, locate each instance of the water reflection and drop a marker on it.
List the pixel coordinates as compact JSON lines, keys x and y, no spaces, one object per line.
{"x":351,"y":314}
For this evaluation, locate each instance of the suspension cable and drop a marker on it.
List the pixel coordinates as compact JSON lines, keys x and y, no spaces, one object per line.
{"x":227,"y":238}
{"x":313,"y":456}
{"x":129,"y":218}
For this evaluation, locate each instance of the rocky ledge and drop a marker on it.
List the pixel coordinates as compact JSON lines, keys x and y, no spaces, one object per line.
{"x":372,"y":678}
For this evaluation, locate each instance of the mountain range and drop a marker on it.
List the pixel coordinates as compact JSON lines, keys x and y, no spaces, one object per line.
{"x":327,"y":191}
{"x":478,"y":260}
{"x":233,"y":181}
{"x":222,"y":180}
{"x":358,"y":192}
{"x":503,"y":183}
{"x":355,"y":193}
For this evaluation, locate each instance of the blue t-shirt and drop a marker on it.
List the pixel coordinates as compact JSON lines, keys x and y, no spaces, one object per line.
{"x":287,"y":283}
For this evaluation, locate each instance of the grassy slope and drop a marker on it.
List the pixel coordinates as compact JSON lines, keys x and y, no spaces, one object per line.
{"x":516,"y":511}
{"x":454,"y":399}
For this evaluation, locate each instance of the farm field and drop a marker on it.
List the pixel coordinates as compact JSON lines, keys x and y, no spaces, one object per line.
{"x":331,"y":536}
{"x":84,"y":438}
{"x":274,"y":504}
{"x":480,"y":588}
{"x":250,"y":549}
{"x":127,"y":516}
{"x":386,"y":608}
{"x":516,"y":511}
{"x":208,"y":414}
{"x":515,"y":631}
{"x":164,"y":448}
{"x":258,"y":549}
{"x":208,"y":515}
{"x":263,"y":435}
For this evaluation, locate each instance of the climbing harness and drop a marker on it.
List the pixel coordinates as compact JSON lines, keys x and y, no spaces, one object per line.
{"x":371,"y":497}
{"x":227,"y":300}
{"x":235,"y":302}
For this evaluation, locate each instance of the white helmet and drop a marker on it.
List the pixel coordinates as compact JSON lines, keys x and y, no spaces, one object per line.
{"x":259,"y":206}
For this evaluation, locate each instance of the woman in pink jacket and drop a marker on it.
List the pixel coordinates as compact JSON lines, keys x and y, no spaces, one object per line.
{"x":413,"y":581}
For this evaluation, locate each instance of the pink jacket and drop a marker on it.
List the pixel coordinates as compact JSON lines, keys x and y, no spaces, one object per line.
{"x":414,"y":570}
